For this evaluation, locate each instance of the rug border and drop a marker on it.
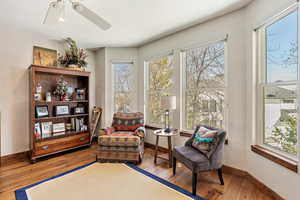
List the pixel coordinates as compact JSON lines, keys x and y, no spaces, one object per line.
{"x":21,"y":193}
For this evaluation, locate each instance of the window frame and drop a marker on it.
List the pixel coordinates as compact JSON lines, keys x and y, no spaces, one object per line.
{"x":129,"y":61}
{"x":183,"y":88}
{"x":260,"y":63}
{"x":147,"y":84}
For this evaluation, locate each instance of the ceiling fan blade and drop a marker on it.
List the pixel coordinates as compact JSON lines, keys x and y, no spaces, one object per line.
{"x":54,"y":13}
{"x":91,"y":16}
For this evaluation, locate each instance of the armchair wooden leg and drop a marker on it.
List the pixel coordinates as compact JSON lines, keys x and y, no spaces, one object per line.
{"x":220,"y":176}
{"x":194,"y":183}
{"x":174,"y":165}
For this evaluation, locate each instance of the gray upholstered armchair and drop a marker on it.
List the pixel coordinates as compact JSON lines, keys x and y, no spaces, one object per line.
{"x":198,"y":162}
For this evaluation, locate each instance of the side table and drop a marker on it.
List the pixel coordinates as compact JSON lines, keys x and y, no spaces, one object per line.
{"x":162,"y":133}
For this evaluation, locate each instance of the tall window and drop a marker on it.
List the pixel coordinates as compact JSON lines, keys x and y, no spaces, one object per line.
{"x":204,"y":86}
{"x":277,"y":98}
{"x":123,"y":82}
{"x":160,"y":83}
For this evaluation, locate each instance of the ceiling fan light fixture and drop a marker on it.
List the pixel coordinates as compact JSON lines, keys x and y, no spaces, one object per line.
{"x":62,"y":14}
{"x":55,"y":12}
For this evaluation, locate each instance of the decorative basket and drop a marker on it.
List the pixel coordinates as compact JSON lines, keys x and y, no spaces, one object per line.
{"x":76,"y":68}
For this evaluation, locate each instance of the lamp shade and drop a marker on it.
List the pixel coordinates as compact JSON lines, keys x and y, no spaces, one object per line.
{"x":168,"y":102}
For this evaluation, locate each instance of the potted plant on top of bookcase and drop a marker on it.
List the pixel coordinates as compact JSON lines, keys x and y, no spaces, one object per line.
{"x":74,"y":58}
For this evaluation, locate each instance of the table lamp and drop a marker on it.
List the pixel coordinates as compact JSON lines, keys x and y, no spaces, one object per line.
{"x":168,"y":103}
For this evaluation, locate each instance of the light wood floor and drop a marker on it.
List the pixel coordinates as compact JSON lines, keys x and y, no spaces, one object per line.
{"x":18,"y":172}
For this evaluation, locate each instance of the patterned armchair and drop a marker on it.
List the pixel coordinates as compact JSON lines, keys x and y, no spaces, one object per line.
{"x":124,"y":141}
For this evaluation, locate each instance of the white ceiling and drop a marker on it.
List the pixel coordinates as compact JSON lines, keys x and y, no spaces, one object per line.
{"x":134,"y":22}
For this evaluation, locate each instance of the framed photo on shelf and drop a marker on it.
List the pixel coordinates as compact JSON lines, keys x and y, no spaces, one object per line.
{"x":46,"y":129}
{"x":80,"y":94}
{"x":61,"y":110}
{"x":59,"y":127}
{"x":41,"y":111}
{"x":78,"y":110}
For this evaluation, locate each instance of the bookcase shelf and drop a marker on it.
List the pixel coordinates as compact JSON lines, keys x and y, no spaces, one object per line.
{"x":47,"y":78}
{"x":60,"y":102}
{"x":59,"y":117}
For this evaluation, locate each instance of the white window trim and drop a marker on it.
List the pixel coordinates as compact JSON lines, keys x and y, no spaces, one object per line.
{"x":118,"y":61}
{"x":146,"y":82}
{"x":183,"y":81}
{"x":259,"y":63}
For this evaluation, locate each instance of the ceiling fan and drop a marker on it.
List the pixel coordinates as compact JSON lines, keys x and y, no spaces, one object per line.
{"x":56,"y":13}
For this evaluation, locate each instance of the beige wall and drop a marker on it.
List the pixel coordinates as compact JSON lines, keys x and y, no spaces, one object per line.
{"x":233,"y":25}
{"x":16,"y":57}
{"x":104,"y":59}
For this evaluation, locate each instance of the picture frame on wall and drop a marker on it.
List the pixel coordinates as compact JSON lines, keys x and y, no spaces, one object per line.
{"x":41,"y":111}
{"x":44,"y":56}
{"x":61,"y":110}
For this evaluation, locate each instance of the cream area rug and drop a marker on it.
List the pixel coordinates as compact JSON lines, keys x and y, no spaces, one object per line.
{"x":104,"y":181}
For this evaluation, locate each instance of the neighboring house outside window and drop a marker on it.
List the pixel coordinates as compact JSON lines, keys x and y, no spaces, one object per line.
{"x":277,"y":83}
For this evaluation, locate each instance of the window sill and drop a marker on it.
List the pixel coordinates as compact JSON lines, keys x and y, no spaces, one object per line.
{"x":275,"y":157}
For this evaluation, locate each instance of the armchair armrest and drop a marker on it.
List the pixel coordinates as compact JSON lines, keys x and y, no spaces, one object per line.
{"x":141,"y":132}
{"x":107,"y":131}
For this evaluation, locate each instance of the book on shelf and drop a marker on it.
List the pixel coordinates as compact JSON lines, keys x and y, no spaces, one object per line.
{"x":77,"y":124}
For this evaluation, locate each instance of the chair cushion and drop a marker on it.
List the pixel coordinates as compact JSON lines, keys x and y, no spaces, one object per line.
{"x":119,"y":141}
{"x":205,"y":141}
{"x":192,"y":158}
{"x":128,"y":121}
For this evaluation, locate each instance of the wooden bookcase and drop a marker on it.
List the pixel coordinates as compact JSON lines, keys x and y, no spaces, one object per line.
{"x":47,"y":77}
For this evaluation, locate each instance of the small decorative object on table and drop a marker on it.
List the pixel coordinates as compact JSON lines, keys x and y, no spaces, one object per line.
{"x":74,"y":58}
{"x":61,"y":89}
{"x":62,"y":110}
{"x":169,"y":135}
{"x":41,"y":111}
